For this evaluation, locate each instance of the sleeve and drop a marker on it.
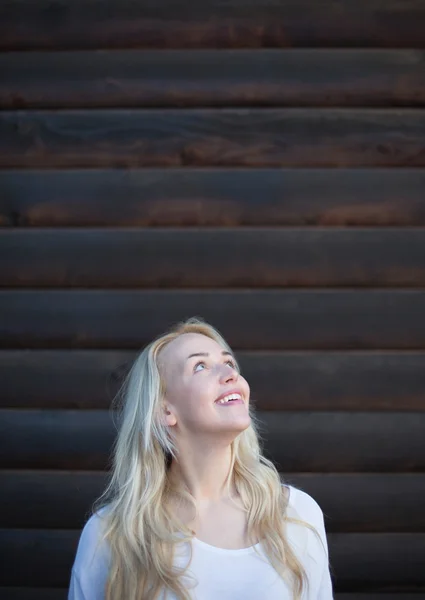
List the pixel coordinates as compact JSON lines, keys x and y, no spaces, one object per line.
{"x":75,"y":592}
{"x":309,"y":510}
{"x":91,"y":565}
{"x":325,"y":591}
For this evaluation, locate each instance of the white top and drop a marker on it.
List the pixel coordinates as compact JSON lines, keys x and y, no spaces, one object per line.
{"x":242,"y":574}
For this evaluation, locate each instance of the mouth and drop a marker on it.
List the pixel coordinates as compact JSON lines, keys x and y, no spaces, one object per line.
{"x":230,"y":399}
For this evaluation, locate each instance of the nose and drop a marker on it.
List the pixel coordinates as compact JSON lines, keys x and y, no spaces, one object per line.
{"x":228,"y":373}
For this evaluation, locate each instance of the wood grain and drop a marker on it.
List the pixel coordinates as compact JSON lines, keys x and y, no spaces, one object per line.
{"x":267,"y":137}
{"x":26,"y":24}
{"x":215,"y":258}
{"x":212,"y":197}
{"x":195,"y":78}
{"x":351,"y":502}
{"x":27,"y":593}
{"x":355,"y":381}
{"x":360,"y":561}
{"x":16,"y":593}
{"x":328,"y":319}
{"x":82,"y":440}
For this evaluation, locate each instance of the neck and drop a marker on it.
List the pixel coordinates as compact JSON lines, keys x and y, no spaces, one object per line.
{"x":203,"y":471}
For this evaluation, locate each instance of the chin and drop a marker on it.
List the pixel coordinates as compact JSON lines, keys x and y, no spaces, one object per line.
{"x":239,"y":426}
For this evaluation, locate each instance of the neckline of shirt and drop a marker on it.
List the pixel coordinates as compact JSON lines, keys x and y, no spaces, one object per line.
{"x":236,"y":551}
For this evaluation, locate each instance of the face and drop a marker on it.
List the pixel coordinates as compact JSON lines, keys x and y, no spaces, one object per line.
{"x":197,"y":373}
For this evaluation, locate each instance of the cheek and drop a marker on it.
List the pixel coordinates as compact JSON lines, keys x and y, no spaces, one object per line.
{"x":245,"y":386}
{"x":194,"y":396}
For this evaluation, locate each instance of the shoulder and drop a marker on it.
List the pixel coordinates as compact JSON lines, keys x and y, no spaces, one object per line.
{"x":92,"y":551}
{"x":305,"y":505}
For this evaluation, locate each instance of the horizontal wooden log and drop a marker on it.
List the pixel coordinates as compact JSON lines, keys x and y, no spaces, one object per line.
{"x":354,"y":502}
{"x":48,"y":499}
{"x":379,"y":565}
{"x":360,"y":561}
{"x":26,"y":593}
{"x":229,"y":197}
{"x":82,"y":440}
{"x":265,"y":137}
{"x":254,"y":257}
{"x":90,"y":379}
{"x":16,"y":593}
{"x":39,"y":558}
{"x":278,"y":320}
{"x":380,"y":596}
{"x":136,"y":78}
{"x":25,"y":24}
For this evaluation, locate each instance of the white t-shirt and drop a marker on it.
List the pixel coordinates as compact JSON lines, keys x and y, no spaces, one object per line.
{"x":221,"y":574}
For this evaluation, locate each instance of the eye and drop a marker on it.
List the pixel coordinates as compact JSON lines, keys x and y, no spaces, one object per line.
{"x":198,"y":364}
{"x":231,"y":363}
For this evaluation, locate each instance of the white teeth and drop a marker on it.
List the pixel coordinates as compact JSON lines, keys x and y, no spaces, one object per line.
{"x":229,"y":397}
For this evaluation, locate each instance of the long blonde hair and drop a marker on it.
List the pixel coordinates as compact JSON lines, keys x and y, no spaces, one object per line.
{"x":140,"y":529}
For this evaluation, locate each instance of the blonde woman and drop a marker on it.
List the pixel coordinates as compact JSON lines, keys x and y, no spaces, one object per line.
{"x":193,"y":509}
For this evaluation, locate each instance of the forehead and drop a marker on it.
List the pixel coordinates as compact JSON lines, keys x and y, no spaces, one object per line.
{"x":177,"y":351}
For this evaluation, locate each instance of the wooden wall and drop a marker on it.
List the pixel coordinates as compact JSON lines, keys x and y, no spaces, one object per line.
{"x":261,"y":164}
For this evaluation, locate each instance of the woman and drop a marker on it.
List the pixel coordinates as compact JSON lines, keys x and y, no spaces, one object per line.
{"x":193,"y":509}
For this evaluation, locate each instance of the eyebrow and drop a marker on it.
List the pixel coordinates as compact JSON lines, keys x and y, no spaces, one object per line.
{"x":224,"y":353}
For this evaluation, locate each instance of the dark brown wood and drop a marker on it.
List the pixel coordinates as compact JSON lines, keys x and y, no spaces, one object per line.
{"x":12,"y":593}
{"x":136,"y":78}
{"x":266,"y":137}
{"x":25,"y":593}
{"x":356,"y":502}
{"x":363,"y":381}
{"x":374,"y":442}
{"x":56,"y":439}
{"x":58,"y":499}
{"x":220,"y":197}
{"x":15,"y":593}
{"x":90,"y":379}
{"x":82,"y":440}
{"x":26,"y":24}
{"x":366,"y":502}
{"x":25,"y":554}
{"x":377,"y":562}
{"x":380,"y":596}
{"x":360,"y":561}
{"x":64,"y":379}
{"x":278,"y":320}
{"x":254,"y":257}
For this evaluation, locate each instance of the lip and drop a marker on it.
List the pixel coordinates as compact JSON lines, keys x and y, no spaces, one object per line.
{"x":241,"y":401}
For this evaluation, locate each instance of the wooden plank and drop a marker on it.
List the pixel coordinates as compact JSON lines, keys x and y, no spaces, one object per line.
{"x":26,"y":24}
{"x":389,"y":442}
{"x":37,"y":558}
{"x":365,"y":381}
{"x":136,"y":78}
{"x":266,"y":137}
{"x":360,"y":561}
{"x":49,"y":499}
{"x":278,"y":320}
{"x":380,"y":562}
{"x":25,"y":593}
{"x":213,"y":197}
{"x":90,"y":379}
{"x":253,"y":257}
{"x":366,"y":502}
{"x":380,"y":596}
{"x":15,"y":593}
{"x":356,"y":502}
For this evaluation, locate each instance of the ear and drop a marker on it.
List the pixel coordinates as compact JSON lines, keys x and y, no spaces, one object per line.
{"x":168,"y":416}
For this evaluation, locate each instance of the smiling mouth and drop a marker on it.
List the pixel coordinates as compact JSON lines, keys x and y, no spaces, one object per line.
{"x":230,"y":399}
